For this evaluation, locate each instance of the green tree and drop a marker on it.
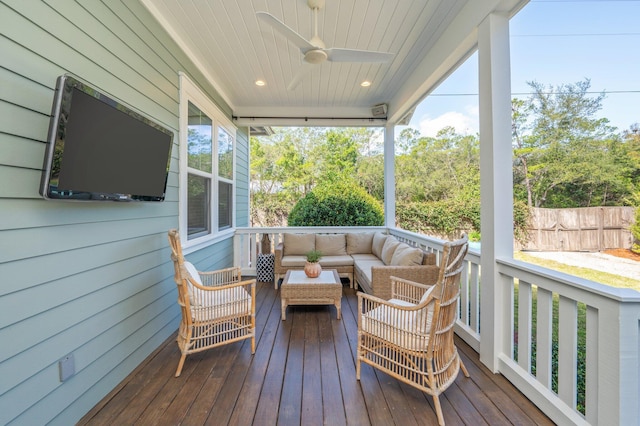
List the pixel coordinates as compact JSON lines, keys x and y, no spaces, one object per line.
{"x":564,"y":155}
{"x":288,"y":165}
{"x":370,"y":175}
{"x":635,"y":231}
{"x":447,"y":166}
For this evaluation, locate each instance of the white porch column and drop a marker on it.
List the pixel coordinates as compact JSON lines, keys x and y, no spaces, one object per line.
{"x":496,"y":182}
{"x":389,"y":177}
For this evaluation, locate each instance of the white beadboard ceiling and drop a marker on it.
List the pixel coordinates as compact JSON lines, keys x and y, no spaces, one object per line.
{"x":233,"y":48}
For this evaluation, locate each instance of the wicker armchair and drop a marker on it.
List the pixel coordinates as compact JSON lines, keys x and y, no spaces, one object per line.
{"x":410,"y":336}
{"x":217,"y":307}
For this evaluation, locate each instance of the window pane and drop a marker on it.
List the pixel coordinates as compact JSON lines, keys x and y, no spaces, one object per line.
{"x":198,"y":206}
{"x":225,"y":154}
{"x":199,"y":142}
{"x":225,"y":205}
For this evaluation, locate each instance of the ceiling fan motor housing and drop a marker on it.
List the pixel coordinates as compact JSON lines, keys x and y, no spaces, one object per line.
{"x":315,"y":56}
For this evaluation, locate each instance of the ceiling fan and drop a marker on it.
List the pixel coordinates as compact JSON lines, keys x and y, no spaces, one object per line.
{"x":314,"y":51}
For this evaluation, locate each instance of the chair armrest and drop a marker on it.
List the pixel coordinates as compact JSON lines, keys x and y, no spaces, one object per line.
{"x":218,"y":287}
{"x":279,"y":252}
{"x":366,"y":302}
{"x":408,"y":291}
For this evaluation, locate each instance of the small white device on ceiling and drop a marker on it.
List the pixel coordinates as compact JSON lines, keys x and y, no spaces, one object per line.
{"x":314,"y":51}
{"x":379,"y":110}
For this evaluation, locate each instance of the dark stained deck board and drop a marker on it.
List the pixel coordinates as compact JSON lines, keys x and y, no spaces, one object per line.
{"x":303,"y":372}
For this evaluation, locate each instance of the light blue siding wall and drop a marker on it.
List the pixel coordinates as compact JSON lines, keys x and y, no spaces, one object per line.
{"x":242,"y":178}
{"x":91,"y":279}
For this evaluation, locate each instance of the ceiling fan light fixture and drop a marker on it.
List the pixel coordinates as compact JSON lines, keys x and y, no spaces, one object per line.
{"x":315,"y":56}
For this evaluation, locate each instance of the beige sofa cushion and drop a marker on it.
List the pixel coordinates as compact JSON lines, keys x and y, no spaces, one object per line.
{"x":331,"y":245}
{"x":365,"y":267}
{"x":294,"y":261}
{"x":388,"y":249}
{"x":332,"y":261}
{"x":365,"y":256}
{"x":359,"y":243}
{"x":378,"y":241}
{"x":405,"y":255}
{"x":298,"y":244}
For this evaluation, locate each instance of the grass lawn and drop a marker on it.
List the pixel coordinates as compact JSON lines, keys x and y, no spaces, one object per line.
{"x":589,"y":274}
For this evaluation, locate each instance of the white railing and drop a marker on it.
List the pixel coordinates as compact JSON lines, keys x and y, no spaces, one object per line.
{"x":565,"y":311}
{"x":559,"y":318}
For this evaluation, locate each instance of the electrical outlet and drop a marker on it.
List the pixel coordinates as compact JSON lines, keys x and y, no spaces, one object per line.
{"x":67,"y":367}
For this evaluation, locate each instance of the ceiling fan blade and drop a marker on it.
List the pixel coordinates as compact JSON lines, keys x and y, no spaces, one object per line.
{"x":354,"y":55}
{"x":302,"y":72}
{"x":279,"y":26}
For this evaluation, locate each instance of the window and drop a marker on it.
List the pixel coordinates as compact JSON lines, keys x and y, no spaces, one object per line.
{"x":207,"y":166}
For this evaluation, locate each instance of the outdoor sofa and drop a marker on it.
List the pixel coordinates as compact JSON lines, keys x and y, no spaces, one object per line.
{"x":367,"y":259}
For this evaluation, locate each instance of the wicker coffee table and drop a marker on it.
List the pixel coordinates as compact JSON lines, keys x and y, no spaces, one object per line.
{"x":298,"y":289}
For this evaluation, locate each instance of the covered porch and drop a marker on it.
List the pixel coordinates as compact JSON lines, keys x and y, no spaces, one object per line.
{"x":94,"y":283}
{"x":538,"y":328}
{"x":303,"y":372}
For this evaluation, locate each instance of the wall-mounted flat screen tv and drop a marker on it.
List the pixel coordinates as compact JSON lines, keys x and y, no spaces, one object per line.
{"x":100,"y":149}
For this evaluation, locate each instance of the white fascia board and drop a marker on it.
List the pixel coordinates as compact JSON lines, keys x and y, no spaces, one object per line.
{"x":458,"y":42}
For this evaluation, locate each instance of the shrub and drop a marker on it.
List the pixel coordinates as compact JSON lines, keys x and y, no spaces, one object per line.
{"x":337,"y":204}
{"x":635,"y":231}
{"x":450,"y":216}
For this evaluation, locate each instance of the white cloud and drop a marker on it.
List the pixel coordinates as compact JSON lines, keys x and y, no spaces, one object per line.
{"x":464,"y":123}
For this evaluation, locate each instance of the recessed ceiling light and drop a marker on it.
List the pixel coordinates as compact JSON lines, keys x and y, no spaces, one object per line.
{"x":260,"y":83}
{"x":365,"y":83}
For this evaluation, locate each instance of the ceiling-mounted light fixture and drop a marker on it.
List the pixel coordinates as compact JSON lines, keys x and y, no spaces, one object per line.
{"x":260,"y":83}
{"x":365,"y":83}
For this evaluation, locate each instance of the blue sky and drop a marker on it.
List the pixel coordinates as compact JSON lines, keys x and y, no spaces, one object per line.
{"x":554,"y":42}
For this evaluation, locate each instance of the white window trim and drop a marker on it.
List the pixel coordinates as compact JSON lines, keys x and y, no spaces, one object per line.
{"x":190,"y":92}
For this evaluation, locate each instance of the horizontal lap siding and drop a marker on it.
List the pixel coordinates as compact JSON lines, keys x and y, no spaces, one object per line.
{"x":92,"y":279}
{"x":242,"y":178}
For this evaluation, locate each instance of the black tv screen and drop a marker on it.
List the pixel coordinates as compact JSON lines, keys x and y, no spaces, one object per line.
{"x":101,"y":149}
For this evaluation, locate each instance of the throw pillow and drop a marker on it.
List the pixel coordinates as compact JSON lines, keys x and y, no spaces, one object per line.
{"x":425,"y":315}
{"x":388,"y":249}
{"x":331,"y":245}
{"x":298,"y":244}
{"x":405,"y":255}
{"x":376,"y":245}
{"x":426,"y":294}
{"x":359,"y":243}
{"x":193,"y":291}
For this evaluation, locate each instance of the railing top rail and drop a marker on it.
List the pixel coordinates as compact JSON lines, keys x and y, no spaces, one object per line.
{"x":559,"y":281}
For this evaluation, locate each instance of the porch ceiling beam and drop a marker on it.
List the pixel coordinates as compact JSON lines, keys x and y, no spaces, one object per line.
{"x":329,"y":121}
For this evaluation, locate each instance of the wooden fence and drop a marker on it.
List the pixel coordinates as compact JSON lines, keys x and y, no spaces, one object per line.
{"x":580,"y":229}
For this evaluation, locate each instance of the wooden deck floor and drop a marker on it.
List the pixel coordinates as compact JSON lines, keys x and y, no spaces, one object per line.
{"x":303,"y":372}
